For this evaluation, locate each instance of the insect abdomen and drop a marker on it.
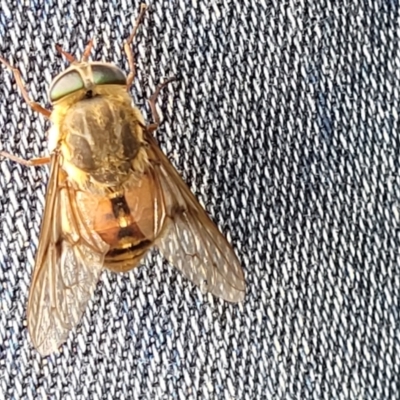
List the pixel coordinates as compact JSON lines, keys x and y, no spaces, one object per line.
{"x":117,"y":227}
{"x":127,"y":221}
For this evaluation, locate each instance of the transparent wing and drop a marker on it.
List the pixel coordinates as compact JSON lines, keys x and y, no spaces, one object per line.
{"x":68,"y":265}
{"x":192,"y":242}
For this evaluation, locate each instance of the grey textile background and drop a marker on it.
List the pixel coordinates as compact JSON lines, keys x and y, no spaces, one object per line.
{"x":285,"y":124}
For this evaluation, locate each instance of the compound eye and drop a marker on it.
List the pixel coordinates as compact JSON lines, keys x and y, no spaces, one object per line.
{"x":66,"y":84}
{"x":106,"y":74}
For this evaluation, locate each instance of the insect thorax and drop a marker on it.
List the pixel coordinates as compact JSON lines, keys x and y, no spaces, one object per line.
{"x":102,"y":140}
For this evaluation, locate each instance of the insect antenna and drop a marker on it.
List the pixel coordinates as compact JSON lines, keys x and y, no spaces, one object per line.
{"x":87,"y":51}
{"x":68,"y":56}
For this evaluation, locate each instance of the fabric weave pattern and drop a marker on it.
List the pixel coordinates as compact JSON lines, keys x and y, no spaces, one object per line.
{"x":284,"y":123}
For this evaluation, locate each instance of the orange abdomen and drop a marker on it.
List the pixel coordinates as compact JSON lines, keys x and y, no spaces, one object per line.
{"x":127,"y":220}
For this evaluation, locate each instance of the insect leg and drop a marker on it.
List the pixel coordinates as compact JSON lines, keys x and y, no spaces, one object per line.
{"x":33,"y":162}
{"x":128,"y":50}
{"x":152,"y":101}
{"x":17,"y":75}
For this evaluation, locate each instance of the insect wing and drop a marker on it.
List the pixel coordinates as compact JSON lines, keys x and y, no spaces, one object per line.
{"x":193,"y":243}
{"x":68,"y":265}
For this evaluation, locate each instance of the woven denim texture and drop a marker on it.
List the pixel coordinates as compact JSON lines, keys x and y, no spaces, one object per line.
{"x":285,"y":125}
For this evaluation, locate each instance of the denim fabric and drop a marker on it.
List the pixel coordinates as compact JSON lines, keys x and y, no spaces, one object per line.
{"x":285,"y":124}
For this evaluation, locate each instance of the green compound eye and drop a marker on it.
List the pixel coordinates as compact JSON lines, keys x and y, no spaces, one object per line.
{"x":65,"y":85}
{"x":105,"y":74}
